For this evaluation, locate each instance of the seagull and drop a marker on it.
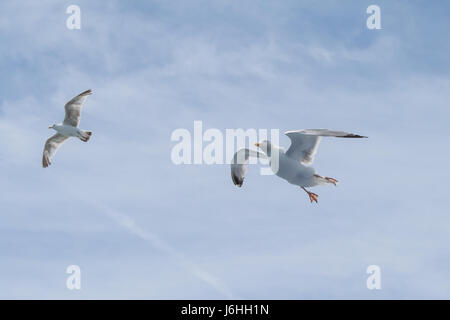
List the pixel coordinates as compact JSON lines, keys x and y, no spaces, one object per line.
{"x":69,"y":128}
{"x":292,"y":165}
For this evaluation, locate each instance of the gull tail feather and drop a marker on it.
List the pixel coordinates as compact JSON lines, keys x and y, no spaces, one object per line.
{"x":319,"y":180}
{"x":85,"y":136}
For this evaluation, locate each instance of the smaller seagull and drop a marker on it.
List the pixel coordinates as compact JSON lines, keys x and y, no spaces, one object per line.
{"x":294,"y":164}
{"x":69,"y":128}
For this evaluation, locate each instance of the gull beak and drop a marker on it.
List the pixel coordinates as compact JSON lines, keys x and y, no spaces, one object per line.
{"x":257,"y":144}
{"x":49,"y":127}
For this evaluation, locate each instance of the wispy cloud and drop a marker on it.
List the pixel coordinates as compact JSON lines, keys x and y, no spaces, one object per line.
{"x":156,"y":242}
{"x":157,"y":66}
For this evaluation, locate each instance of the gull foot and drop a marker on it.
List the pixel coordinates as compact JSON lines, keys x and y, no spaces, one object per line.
{"x":333,"y":181}
{"x":313,"y":197}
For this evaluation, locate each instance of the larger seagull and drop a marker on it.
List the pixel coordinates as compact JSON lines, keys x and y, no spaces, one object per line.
{"x":69,"y":128}
{"x":294,"y":164}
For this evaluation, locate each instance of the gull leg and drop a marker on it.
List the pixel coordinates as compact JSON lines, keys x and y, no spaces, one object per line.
{"x":312,"y":196}
{"x":332,"y":180}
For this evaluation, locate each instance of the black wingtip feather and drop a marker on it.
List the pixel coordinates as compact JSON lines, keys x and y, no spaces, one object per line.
{"x":237,"y":181}
{"x":351,"y":135}
{"x":89,"y":91}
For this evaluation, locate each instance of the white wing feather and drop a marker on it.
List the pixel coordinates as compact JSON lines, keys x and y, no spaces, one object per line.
{"x":240,"y":163}
{"x":73,"y":109}
{"x":304,"y":143}
{"x":51,"y":146}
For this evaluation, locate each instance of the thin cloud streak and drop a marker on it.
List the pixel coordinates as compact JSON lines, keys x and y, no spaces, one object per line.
{"x":129,"y":224}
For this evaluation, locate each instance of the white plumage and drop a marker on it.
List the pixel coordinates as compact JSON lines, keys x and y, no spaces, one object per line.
{"x":69,"y":128}
{"x":293,"y":165}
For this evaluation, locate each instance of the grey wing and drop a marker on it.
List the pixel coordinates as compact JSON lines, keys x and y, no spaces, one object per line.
{"x":73,"y":109}
{"x":304,"y":143}
{"x":52,"y":144}
{"x":240,"y":162}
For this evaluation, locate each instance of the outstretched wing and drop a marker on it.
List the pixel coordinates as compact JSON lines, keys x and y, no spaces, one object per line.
{"x":52,"y":144}
{"x":73,"y":109}
{"x":240,"y":162}
{"x":304,"y":143}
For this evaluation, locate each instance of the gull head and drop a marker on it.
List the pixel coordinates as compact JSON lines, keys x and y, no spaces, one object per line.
{"x":264,"y":146}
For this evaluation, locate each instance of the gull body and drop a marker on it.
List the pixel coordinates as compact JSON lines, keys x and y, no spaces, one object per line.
{"x":67,"y":130}
{"x":292,"y":165}
{"x":294,"y":172}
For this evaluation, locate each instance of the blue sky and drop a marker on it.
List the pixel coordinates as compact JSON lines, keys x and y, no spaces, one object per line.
{"x":141,"y":227}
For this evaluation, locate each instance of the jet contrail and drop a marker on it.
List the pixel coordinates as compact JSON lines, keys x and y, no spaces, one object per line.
{"x":129,"y":224}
